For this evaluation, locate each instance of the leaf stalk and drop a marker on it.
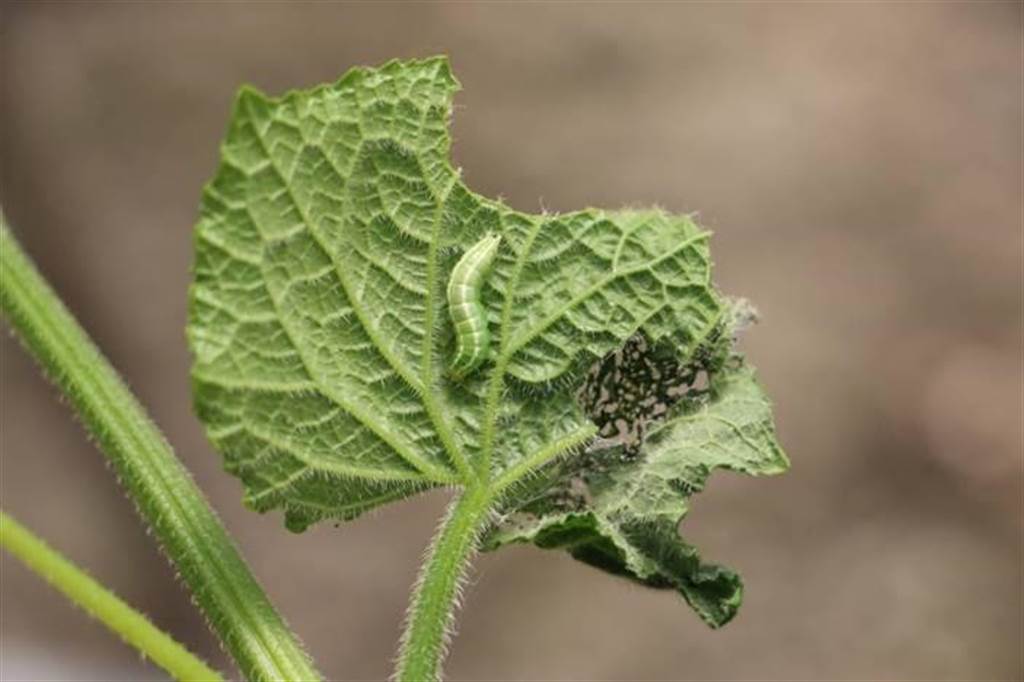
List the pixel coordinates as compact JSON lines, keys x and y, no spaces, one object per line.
{"x":436,"y":594}
{"x":78,"y":586}
{"x":162,"y":489}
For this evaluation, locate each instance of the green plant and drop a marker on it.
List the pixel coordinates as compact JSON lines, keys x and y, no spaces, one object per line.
{"x":323,"y":350}
{"x":165,"y":496}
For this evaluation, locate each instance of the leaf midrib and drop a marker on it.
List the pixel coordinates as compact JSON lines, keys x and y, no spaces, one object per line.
{"x":421,"y":385}
{"x":428,"y":469}
{"x":438,"y":416}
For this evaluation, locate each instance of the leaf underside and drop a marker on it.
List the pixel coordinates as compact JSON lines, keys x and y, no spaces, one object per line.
{"x":321,"y":337}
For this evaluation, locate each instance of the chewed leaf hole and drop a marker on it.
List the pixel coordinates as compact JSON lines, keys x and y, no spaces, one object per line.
{"x":634,"y":387}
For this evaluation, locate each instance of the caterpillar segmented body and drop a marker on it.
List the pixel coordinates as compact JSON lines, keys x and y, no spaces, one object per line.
{"x":472,"y":337}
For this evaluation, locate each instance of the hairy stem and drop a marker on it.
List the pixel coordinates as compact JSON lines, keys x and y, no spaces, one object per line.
{"x":102,"y":604}
{"x":164,"y":493}
{"x":433,"y":604}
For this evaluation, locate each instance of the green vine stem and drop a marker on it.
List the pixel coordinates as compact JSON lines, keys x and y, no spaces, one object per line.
{"x":102,"y":604}
{"x":166,"y":497}
{"x":433,"y":604}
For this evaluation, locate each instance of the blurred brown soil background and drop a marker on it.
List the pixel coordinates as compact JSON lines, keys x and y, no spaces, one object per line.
{"x":861,"y":167}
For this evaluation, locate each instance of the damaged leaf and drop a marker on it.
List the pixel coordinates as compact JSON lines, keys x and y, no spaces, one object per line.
{"x":323,"y":341}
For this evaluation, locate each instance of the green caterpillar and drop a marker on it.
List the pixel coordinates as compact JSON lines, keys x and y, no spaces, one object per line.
{"x":472,"y":337}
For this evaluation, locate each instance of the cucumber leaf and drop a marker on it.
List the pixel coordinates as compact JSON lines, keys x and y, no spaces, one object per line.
{"x":620,"y":511}
{"x":322,"y":341}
